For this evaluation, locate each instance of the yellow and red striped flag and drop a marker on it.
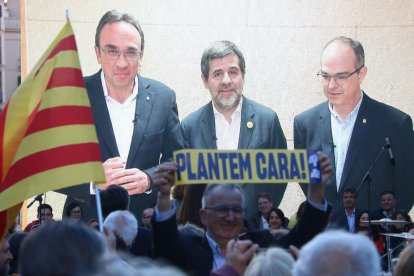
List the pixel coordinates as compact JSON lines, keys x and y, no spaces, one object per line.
{"x":47,"y":133}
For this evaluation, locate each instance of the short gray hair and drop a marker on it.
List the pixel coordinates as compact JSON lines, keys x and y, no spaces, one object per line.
{"x":338,"y":253}
{"x":273,"y":261}
{"x":220,"y":49}
{"x":355,"y":45}
{"x":124,"y":224}
{"x":114,"y":16}
{"x":209,"y":190}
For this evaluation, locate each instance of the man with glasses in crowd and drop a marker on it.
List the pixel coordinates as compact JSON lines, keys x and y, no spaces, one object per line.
{"x":136,"y":118}
{"x":352,"y":129}
{"x":221,"y":214}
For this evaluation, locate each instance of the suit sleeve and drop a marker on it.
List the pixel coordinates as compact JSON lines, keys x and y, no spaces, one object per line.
{"x":311,"y":222}
{"x":172,"y":134}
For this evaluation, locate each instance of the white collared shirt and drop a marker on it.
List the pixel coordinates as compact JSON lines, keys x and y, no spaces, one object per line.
{"x":122,"y":118}
{"x":341,"y":135}
{"x":227,"y":134}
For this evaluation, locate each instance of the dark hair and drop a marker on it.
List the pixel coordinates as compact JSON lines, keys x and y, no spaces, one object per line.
{"x":387,"y":192}
{"x":72,"y":206}
{"x":279,"y":213}
{"x":61,"y":248}
{"x":191,"y":204}
{"x":220,"y":49}
{"x":114,"y":198}
{"x":351,"y":191}
{"x":356,"y":47}
{"x":407,"y":218}
{"x":15,"y":242}
{"x":114,"y":16}
{"x":44,"y":206}
{"x":264,"y":195}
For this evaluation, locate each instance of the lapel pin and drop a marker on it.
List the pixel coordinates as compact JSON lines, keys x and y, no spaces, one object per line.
{"x":364,"y":121}
{"x":147,"y":98}
{"x":249,"y":124}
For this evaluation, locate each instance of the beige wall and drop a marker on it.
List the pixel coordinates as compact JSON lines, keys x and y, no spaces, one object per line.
{"x":281,"y":41}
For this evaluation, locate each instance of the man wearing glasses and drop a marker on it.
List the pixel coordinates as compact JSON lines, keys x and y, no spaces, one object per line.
{"x":352,"y":129}
{"x":136,"y":118}
{"x":221,"y":214}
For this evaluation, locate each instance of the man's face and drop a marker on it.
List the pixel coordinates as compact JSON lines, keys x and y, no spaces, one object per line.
{"x":387,"y":202}
{"x":275,"y":222}
{"x":348,"y":199}
{"x":147,"y":216}
{"x":119,"y":73}
{"x":45,"y":215}
{"x":264,"y":205}
{"x":222,"y":228}
{"x":5,"y":257}
{"x":225,"y":82}
{"x":339,"y":58}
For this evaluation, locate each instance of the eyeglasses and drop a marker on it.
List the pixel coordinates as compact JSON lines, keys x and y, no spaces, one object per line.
{"x":114,"y":54}
{"x":340,"y":79}
{"x":223,"y":211}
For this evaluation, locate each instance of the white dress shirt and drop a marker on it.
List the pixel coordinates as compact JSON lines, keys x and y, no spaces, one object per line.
{"x":122,"y":118}
{"x":341,"y":135}
{"x":227,"y":134}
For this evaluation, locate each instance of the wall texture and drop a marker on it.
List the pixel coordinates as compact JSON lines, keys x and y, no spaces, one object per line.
{"x":281,"y":41}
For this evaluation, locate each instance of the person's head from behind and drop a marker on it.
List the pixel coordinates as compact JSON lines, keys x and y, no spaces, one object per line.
{"x":119,"y":46}
{"x":349,"y":198}
{"x":264,"y":203}
{"x":114,"y":198}
{"x":342,"y":71}
{"x":74,"y":211}
{"x":44,"y":212}
{"x":338,"y":253}
{"x":222,"y":211}
{"x":222,"y":71}
{"x":123,"y":224}
{"x":405,"y":265}
{"x":5,"y":257}
{"x":387,"y":201}
{"x":276,"y":219}
{"x":273,"y":261}
{"x":15,"y":242}
{"x":62,"y":248}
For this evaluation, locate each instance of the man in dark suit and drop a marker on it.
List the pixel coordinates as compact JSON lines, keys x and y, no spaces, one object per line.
{"x":222,"y":215}
{"x":230,"y":120}
{"x":351,"y":128}
{"x":345,"y":217}
{"x":136,"y":118}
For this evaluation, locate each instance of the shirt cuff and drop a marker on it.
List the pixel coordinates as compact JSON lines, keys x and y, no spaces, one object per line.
{"x":320,"y":206}
{"x":163,"y":216}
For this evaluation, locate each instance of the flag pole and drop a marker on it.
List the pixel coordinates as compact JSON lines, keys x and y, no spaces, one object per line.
{"x":67,"y":15}
{"x":98,"y":207}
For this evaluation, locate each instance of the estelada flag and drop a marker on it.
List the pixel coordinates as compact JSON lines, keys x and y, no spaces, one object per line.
{"x":47,"y":133}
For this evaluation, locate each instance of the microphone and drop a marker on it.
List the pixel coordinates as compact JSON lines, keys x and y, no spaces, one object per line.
{"x":38,"y":198}
{"x":135,"y":118}
{"x":388,"y":146}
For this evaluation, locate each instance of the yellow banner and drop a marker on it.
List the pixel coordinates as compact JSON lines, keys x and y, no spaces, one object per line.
{"x":196,"y":166}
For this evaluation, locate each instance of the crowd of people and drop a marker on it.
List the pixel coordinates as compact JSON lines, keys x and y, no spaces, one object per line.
{"x":151,"y":227}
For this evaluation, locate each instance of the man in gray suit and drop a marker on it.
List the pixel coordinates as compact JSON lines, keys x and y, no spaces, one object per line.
{"x":352,"y":129}
{"x":231,"y":121}
{"x":136,"y":118}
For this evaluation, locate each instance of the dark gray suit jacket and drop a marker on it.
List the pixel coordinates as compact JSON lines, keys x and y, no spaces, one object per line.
{"x":199,"y":132}
{"x":375,"y":120}
{"x":156,"y":131}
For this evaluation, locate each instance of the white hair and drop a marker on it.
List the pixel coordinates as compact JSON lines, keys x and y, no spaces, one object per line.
{"x":124,"y":224}
{"x":274,"y":261}
{"x":338,"y":253}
